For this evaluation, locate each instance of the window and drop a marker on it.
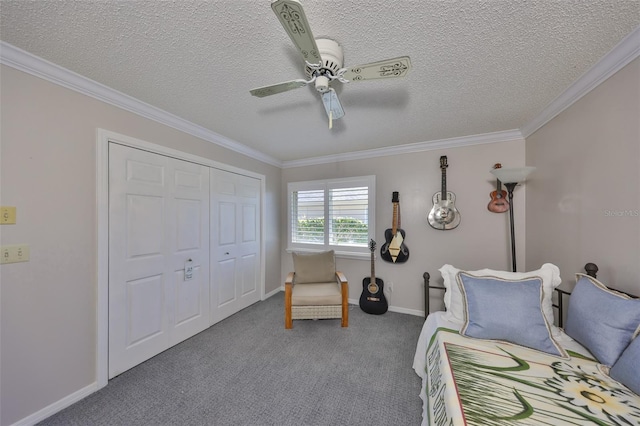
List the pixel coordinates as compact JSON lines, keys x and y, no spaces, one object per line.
{"x":333,"y":214}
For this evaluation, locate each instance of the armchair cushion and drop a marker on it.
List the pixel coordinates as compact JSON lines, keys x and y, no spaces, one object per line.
{"x":316,"y":294}
{"x":314,"y":267}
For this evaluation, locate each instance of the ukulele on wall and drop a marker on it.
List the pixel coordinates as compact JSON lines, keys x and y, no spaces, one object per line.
{"x":372,"y":299}
{"x":498,"y":203}
{"x":444,"y":215}
{"x":394,"y":250}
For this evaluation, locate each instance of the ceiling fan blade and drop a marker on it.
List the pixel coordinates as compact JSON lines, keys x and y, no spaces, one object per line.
{"x":261,"y":92}
{"x":332,"y":105}
{"x":389,"y":68}
{"x":294,"y":21}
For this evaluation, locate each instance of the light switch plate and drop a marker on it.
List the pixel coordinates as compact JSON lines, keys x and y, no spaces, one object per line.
{"x":7,"y":215}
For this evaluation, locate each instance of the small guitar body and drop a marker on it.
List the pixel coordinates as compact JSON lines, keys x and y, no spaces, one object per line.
{"x":372,"y":299}
{"x":498,"y":203}
{"x":394,"y":250}
{"x":444,"y":215}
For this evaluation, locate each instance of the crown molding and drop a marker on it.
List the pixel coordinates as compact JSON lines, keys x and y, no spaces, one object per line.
{"x":624,"y":52}
{"x":485,"y":138}
{"x":24,"y":61}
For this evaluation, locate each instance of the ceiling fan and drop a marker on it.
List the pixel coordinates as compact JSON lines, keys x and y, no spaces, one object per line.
{"x":324,"y":61}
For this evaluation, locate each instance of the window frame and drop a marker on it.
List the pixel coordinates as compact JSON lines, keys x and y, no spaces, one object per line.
{"x":327,"y":185}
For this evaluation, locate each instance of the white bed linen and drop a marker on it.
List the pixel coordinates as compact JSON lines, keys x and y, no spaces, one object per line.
{"x":437,"y":320}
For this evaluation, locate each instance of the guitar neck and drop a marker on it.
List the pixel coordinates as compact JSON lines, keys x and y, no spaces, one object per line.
{"x":394,"y":227}
{"x":373,"y":269}
{"x":498,"y":183}
{"x":443,"y":195}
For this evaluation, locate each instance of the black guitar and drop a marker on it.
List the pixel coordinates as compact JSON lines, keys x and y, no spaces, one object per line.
{"x":394,"y":250}
{"x":372,"y":299}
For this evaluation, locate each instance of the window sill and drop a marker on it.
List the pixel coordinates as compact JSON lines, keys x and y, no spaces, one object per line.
{"x":338,"y":253}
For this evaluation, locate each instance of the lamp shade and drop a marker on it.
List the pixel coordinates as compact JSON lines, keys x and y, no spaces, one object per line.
{"x":515,"y":175}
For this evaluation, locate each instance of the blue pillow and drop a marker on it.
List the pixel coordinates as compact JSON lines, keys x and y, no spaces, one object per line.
{"x":626,"y":369}
{"x":509,"y":310}
{"x":603,"y":321}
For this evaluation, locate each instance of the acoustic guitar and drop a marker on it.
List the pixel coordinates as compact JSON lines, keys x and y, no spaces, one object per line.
{"x":372,"y":299}
{"x":394,"y":249}
{"x":444,"y":215}
{"x":498,"y":203}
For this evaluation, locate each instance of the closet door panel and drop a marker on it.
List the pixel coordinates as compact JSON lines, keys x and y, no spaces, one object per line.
{"x":158,"y":227}
{"x":235,"y":205}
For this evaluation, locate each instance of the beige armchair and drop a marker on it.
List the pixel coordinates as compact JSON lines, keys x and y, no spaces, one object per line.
{"x":315,"y":290}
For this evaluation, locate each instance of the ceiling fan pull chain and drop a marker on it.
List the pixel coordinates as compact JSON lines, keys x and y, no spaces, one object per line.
{"x":330,"y":113}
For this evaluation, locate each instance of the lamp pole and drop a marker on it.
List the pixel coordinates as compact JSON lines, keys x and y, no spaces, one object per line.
{"x":510,"y":187}
{"x":510,"y":178}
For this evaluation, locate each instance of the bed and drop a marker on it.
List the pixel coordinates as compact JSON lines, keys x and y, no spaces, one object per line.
{"x":494,"y":357}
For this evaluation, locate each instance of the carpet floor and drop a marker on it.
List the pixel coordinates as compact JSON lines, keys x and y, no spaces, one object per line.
{"x":249,"y":370}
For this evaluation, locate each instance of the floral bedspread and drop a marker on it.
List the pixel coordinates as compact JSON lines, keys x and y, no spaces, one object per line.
{"x":483,"y":382}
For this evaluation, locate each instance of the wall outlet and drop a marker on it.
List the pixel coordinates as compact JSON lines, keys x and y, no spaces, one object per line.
{"x":14,"y":253}
{"x":390,"y":286}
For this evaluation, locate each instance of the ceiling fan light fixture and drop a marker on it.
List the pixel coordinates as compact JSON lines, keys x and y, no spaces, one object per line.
{"x":322,"y":83}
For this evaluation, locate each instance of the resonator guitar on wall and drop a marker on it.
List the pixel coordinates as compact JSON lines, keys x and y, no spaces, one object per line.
{"x":444,"y":215}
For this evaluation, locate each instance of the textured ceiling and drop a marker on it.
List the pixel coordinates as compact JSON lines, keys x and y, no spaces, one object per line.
{"x":478,"y":66}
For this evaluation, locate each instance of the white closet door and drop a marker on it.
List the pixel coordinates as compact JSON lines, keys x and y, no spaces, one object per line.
{"x":235,"y":243}
{"x":158,"y":231}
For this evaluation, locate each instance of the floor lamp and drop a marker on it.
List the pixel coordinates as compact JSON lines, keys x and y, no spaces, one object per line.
{"x":510,"y":178}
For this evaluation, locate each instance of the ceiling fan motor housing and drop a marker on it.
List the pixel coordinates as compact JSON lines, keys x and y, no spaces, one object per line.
{"x":332,"y":61}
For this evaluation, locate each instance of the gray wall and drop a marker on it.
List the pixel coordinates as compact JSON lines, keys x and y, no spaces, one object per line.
{"x":48,"y":171}
{"x":583,"y":205}
{"x":481,"y":240}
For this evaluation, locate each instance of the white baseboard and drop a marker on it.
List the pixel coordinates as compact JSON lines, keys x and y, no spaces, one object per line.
{"x":414,"y":312}
{"x":273,"y":292}
{"x":50,"y":410}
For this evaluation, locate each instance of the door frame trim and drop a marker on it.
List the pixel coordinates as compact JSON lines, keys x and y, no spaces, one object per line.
{"x":103,"y":139}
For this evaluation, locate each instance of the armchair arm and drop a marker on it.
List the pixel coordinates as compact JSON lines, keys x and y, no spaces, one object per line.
{"x":289,"y":279}
{"x":341,"y":279}
{"x":288,"y":287}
